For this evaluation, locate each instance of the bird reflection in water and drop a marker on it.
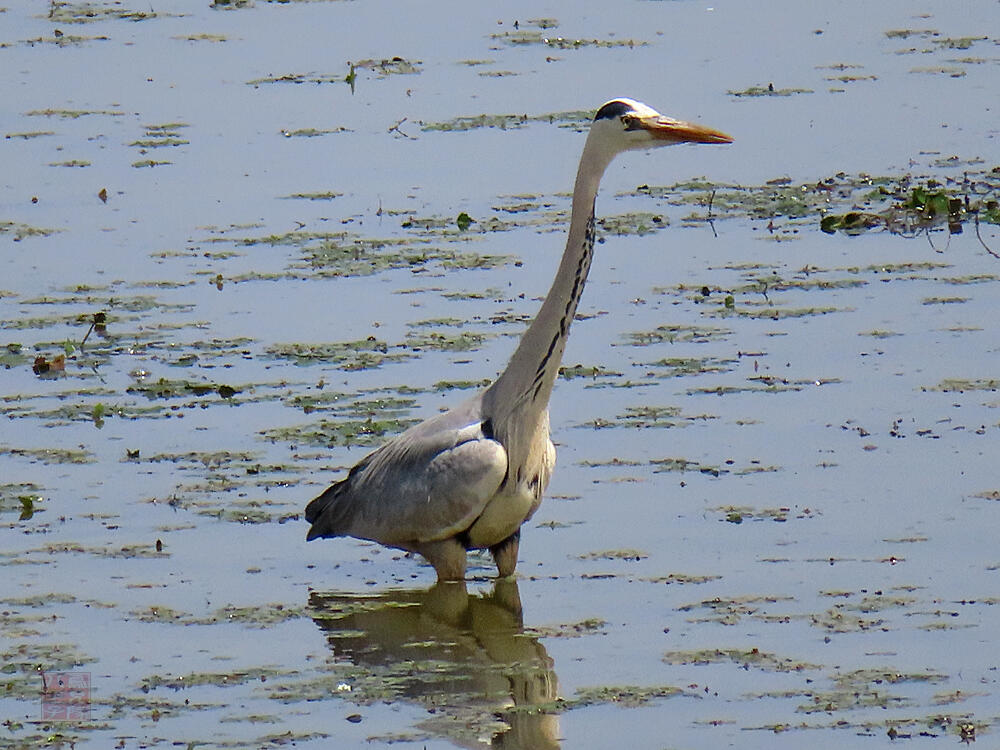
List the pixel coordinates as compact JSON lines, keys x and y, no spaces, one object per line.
{"x":464,"y":656}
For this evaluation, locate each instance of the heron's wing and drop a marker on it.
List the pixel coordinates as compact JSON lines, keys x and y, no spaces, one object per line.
{"x":428,"y":483}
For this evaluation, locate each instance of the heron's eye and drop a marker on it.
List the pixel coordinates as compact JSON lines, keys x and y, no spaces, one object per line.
{"x":631,"y":122}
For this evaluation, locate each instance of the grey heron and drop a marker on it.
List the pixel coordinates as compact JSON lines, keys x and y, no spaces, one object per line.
{"x":468,"y":478}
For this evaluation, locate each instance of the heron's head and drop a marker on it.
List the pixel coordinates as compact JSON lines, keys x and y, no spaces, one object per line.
{"x":625,"y":124}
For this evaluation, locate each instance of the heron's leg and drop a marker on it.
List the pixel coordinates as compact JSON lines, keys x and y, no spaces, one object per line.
{"x":505,"y":554}
{"x":447,"y":556}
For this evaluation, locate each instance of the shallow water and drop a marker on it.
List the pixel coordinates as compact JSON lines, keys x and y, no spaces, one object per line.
{"x":774,"y":512}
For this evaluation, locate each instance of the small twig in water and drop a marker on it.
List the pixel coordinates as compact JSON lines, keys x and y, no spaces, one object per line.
{"x":87,"y":335}
{"x":763,"y":290}
{"x":395,"y":129}
{"x":983,"y":242}
{"x":930,"y":242}
{"x":708,"y":218}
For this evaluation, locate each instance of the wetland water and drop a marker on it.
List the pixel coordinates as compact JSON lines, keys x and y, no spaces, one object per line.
{"x":231,"y":264}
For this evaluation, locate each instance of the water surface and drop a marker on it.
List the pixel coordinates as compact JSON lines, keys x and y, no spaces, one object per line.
{"x":773,"y":516}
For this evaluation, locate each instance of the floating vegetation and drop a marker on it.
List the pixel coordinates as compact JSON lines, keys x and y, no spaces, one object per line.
{"x":218,"y":679}
{"x":73,"y":114}
{"x":327,"y":195}
{"x":628,"y":696}
{"x":387,"y":66}
{"x":464,"y":341}
{"x":568,"y":630}
{"x":950,"y":71}
{"x":202,"y":37}
{"x":591,"y":372}
{"x":341,"y":253}
{"x":684,"y":466}
{"x":961,"y":385}
{"x":576,"y":119}
{"x":161,"y":136}
{"x":525,"y":37}
{"x":297,"y":78}
{"x":739,"y":514}
{"x":645,"y":417}
{"x":629,"y":555}
{"x":746,"y":659}
{"x":70,"y":163}
{"x":907,"y":33}
{"x":364,"y":354}
{"x":312,"y":133}
{"x":916,"y":209}
{"x":164,"y":388}
{"x":672,"y":333}
{"x":60,"y":39}
{"x":769,"y":90}
{"x":908,"y":205}
{"x":773,"y":313}
{"x":49,"y":456}
{"x":679,"y":367}
{"x":640,"y":223}
{"x":21,"y":231}
{"x":344,"y":432}
{"x":731,"y":610}
{"x":382,"y":68}
{"x":253,"y":512}
{"x":30,"y":135}
{"x":23,"y":498}
{"x":108,"y":551}
{"x":91,"y":11}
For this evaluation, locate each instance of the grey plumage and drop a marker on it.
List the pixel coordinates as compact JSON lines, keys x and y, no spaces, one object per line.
{"x":470,"y":477}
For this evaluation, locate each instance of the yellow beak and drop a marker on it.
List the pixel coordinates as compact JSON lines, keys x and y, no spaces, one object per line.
{"x":677,"y":131}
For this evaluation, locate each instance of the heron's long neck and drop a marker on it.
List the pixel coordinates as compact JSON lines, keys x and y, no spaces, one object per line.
{"x":521,"y":394}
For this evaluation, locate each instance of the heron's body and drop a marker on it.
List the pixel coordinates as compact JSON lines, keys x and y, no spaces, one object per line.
{"x":470,"y":477}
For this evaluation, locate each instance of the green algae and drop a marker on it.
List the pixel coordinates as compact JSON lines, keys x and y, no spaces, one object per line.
{"x":591,"y":626}
{"x":164,"y":388}
{"x":961,"y":385}
{"x":629,"y":696}
{"x":463,"y":341}
{"x":19,"y":496}
{"x":381,"y":68}
{"x":768,"y":90}
{"x":50,"y":456}
{"x":679,"y":367}
{"x":572,"y":119}
{"x":356,"y":355}
{"x":70,"y":163}
{"x":678,"y":332}
{"x":740,"y":513}
{"x":29,"y":134}
{"x":751,"y":658}
{"x":631,"y":555}
{"x":93,"y":11}
{"x":73,"y":114}
{"x":532,"y":37}
{"x":21,"y":231}
{"x":368,"y":432}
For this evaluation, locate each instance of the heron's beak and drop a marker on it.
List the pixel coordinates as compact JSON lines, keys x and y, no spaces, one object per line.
{"x":677,"y":131}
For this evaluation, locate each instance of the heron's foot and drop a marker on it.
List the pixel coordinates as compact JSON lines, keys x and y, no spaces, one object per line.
{"x":505,"y":554}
